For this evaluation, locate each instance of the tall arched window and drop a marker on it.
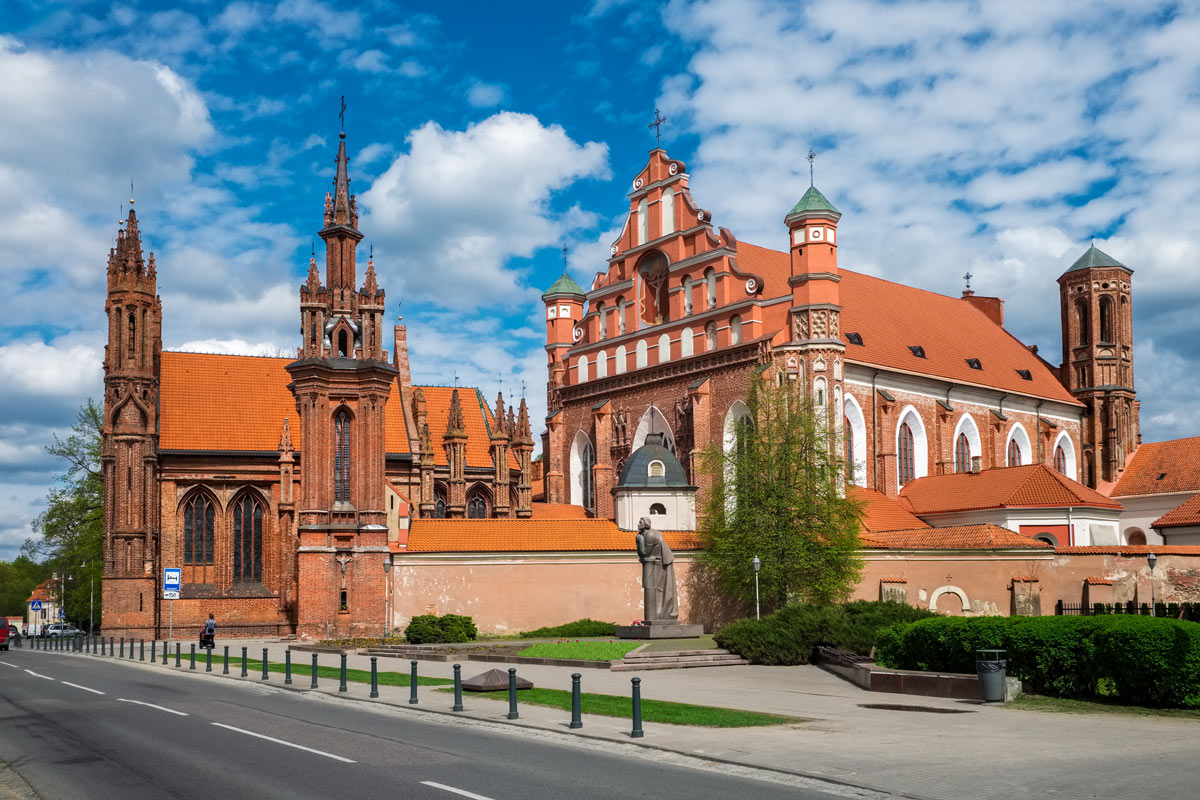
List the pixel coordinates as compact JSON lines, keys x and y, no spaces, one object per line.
{"x":439,"y":503}
{"x":343,"y":344}
{"x":476,"y":507}
{"x":686,"y":343}
{"x":687,"y":296}
{"x":1014,"y":453}
{"x":341,"y":458}
{"x":1060,"y":461}
{"x":601,"y":320}
{"x":601,"y":364}
{"x":906,"y":461}
{"x":132,"y":336}
{"x":1085,"y":322}
{"x":710,"y":286}
{"x":581,"y":367}
{"x":247,"y":541}
{"x":962,"y":454}
{"x":620,"y":360}
{"x":1018,"y":449}
{"x":641,"y":353}
{"x":849,"y":454}
{"x":621,"y":315}
{"x":735,"y":329}
{"x":199,"y":522}
{"x":643,"y":220}
{"x":710,"y":336}
{"x":1106,"y":320}
{"x":667,"y":208}
{"x":664,"y":348}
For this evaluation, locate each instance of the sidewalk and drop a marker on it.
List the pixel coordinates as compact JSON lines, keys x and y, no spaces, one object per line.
{"x":974,"y":751}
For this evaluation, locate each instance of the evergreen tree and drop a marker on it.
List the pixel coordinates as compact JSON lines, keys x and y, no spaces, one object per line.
{"x":778,"y":492}
{"x":72,"y":526}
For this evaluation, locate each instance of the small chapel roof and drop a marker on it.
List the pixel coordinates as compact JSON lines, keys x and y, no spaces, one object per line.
{"x":813,"y":200}
{"x":1095,"y":257}
{"x":1184,"y":515}
{"x":638,"y":471}
{"x":564,"y":285}
{"x":1027,"y":486}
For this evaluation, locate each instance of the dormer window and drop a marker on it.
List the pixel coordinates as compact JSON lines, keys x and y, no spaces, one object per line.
{"x":1025,"y":374}
{"x":974,"y":363}
{"x":917,"y":350}
{"x":656,"y":469}
{"x":854,"y":338}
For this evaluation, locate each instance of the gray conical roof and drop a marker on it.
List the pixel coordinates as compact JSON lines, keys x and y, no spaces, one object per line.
{"x":1095,"y":257}
{"x":813,"y":200}
{"x":564,"y":285}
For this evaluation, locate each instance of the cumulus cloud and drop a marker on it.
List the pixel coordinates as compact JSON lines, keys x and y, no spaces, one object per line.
{"x":484,"y":95}
{"x":994,"y":138}
{"x":459,"y":206}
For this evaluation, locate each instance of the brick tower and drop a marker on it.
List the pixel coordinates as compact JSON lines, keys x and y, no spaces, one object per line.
{"x":129,"y":437}
{"x":564,"y":309}
{"x":1097,"y":366}
{"x":341,"y":380}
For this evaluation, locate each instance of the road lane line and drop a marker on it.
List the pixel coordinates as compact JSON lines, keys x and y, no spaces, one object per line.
{"x":34,"y":674}
{"x":151,"y":705}
{"x":5,"y":663}
{"x":462,"y":792}
{"x":77,"y":686}
{"x":281,"y":741}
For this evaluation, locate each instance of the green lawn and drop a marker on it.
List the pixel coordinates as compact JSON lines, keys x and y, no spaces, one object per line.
{"x":610,"y":705}
{"x":1033,"y":702}
{"x":603,"y":650}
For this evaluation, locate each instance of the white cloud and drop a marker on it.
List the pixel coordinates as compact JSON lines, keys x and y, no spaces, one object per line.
{"x":320,"y":18}
{"x":35,"y":369}
{"x":485,"y":95}
{"x":371,"y":61}
{"x":956,"y":137}
{"x":460,"y":205}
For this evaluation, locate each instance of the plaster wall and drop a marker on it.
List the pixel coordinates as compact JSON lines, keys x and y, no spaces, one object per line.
{"x":1141,"y":510}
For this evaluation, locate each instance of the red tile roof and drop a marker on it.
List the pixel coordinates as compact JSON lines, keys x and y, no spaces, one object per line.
{"x":41,"y":592}
{"x":1029,"y":486}
{"x":1162,"y":467}
{"x":1184,"y":515}
{"x":891,"y":317}
{"x":882,"y":513}
{"x":558,"y":511}
{"x":1024,"y":579}
{"x":1129,"y":550}
{"x":1093,"y":580}
{"x":956,"y":537}
{"x":525,"y":535}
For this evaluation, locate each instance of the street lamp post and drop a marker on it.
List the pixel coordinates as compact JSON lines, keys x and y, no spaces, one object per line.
{"x":757,"y":566}
{"x":1152,"y":559}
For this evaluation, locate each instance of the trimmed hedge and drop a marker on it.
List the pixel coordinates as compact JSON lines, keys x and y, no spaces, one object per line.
{"x":430,"y":629}
{"x":1141,"y":660}
{"x":790,"y":635}
{"x":578,"y":628}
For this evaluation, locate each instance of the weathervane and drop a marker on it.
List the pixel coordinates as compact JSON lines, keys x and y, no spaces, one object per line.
{"x":967,"y":278}
{"x":659,"y":119}
{"x":342,"y":113}
{"x":564,"y":252}
{"x":811,"y":157}
{"x":456,"y":377}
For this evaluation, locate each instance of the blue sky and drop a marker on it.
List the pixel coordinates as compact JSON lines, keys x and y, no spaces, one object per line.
{"x":998,"y":138}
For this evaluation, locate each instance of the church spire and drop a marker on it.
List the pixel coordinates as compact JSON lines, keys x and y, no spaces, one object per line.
{"x":127,"y":255}
{"x":341,"y":208}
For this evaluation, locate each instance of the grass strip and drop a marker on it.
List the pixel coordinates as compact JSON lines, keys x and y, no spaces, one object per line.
{"x":611,"y":705}
{"x":1033,"y":702}
{"x":352,"y":675}
{"x":591,"y":651}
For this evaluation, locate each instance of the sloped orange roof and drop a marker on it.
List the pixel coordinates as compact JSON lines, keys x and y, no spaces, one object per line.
{"x":1029,"y":486}
{"x":41,"y":592}
{"x":1186,"y":514}
{"x":1161,"y":468}
{"x":1096,"y":580}
{"x":882,"y":513}
{"x":477,"y":422}
{"x":525,"y":535}
{"x":957,"y":537}
{"x":891,"y":316}
{"x":558,"y":511}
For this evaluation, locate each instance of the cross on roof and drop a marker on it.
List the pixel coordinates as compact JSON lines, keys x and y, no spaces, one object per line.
{"x":342,"y":113}
{"x":564,"y":252}
{"x":811,"y":157}
{"x":659,"y":119}
{"x":967,"y":278}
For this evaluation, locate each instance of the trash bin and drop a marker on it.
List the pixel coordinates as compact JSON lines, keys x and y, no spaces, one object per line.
{"x":991,"y":667}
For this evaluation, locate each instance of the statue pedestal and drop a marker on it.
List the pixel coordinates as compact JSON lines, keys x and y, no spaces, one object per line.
{"x":659,"y":629}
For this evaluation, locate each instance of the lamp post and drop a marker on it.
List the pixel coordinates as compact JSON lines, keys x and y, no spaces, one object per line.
{"x":1152,"y":559}
{"x":387,"y":596}
{"x":757,"y":566}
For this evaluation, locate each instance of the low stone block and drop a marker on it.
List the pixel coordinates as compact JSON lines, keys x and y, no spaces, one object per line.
{"x":494,"y":680}
{"x":659,"y":630}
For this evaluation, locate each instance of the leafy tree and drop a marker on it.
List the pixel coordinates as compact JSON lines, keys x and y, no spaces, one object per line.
{"x":18,"y":578}
{"x":779,"y":494}
{"x":72,"y":526}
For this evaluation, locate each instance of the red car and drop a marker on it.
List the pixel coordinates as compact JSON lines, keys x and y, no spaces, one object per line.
{"x":3,"y":637}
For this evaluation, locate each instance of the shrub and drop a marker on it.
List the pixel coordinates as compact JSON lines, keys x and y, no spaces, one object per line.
{"x":790,"y":635}
{"x":1152,"y":662}
{"x":429,"y":629}
{"x":578,"y":628}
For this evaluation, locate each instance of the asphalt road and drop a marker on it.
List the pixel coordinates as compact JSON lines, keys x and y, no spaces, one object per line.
{"x":80,"y":727}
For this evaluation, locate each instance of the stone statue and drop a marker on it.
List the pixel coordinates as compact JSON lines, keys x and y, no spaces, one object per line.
{"x":658,"y":574}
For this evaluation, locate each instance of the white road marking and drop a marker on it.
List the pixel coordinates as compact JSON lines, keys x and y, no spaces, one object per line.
{"x":5,"y":663}
{"x":34,"y":674}
{"x":462,"y":792}
{"x":281,"y":741}
{"x":77,"y":686}
{"x":151,"y":705}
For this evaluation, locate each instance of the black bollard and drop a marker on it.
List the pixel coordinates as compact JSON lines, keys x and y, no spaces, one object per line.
{"x":177,"y":655}
{"x":225,"y":670}
{"x":243,"y":662}
{"x":111,"y":650}
{"x":637,"y":732}
{"x":342,"y":685}
{"x":313,"y":685}
{"x":412,"y":683}
{"x":141,"y":650}
{"x":374,"y":679}
{"x":576,"y":705}
{"x":264,"y":677}
{"x":512,"y":693}
{"x":287,"y":667}
{"x":122,"y":647}
{"x":166,"y":646}
{"x":131,"y":648}
{"x":208,"y":659}
{"x":458,"y":706}
{"x":192,"y":657}
{"x":153,"y":650}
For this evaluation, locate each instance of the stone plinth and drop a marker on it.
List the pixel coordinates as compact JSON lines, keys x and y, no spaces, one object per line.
{"x":659,"y":630}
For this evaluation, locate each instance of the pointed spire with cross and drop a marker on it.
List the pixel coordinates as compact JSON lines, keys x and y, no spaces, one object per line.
{"x":811,"y":158}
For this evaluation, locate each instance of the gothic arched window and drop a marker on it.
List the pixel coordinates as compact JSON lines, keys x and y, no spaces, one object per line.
{"x":343,"y":344}
{"x":132,"y":337}
{"x":247,"y":541}
{"x":439,"y":504}
{"x":962,"y":454}
{"x":476,"y":507}
{"x":1106,"y":320}
{"x":199,"y":522}
{"x":905,"y":463}
{"x":341,"y":460}
{"x":1085,"y":323}
{"x":849,"y":454}
{"x":1060,"y":460}
{"x":1014,"y":453}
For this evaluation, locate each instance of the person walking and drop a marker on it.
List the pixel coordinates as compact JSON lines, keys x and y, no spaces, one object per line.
{"x":208,"y":637}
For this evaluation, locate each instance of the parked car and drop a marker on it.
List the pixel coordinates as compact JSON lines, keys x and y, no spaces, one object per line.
{"x":5,"y":632}
{"x":57,"y":629}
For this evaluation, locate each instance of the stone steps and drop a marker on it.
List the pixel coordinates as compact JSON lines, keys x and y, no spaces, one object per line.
{"x":684,"y":659}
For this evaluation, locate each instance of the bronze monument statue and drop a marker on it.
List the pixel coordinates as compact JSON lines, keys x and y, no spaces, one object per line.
{"x":658,"y":574}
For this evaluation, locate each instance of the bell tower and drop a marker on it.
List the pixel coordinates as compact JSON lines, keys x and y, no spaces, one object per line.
{"x":341,"y":380}
{"x":129,"y":436}
{"x":1097,"y":365}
